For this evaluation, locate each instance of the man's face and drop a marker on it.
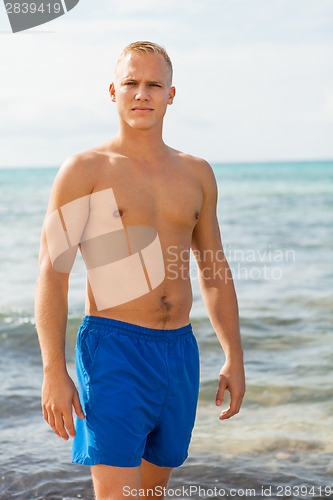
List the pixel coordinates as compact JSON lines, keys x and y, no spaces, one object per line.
{"x":142,"y":90}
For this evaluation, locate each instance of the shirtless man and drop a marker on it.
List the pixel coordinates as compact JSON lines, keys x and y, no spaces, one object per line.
{"x":137,"y":360}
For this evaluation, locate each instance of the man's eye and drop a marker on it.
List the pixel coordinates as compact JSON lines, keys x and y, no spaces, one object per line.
{"x":155,"y":85}
{"x":129,"y":83}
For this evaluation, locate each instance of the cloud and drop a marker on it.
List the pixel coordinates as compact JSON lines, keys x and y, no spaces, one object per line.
{"x":253,"y":79}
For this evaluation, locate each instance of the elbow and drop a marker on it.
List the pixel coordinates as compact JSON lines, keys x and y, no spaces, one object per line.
{"x":48,"y":275}
{"x":44,"y":271}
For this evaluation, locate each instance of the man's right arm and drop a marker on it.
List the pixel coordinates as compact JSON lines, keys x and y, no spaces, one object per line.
{"x":59,"y":394}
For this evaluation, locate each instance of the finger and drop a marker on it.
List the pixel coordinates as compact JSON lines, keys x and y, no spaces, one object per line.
{"x":77,"y":405}
{"x":45,"y":414}
{"x":51,"y":422}
{"x":226,"y":414}
{"x":69,"y":423}
{"x":235,"y":403}
{"x":221,"y":390}
{"x":59,"y":424}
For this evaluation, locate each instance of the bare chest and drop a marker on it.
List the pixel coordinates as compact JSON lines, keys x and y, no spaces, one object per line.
{"x":169,"y":198}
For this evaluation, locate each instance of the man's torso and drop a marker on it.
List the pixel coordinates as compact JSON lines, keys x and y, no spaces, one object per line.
{"x":168,"y":197}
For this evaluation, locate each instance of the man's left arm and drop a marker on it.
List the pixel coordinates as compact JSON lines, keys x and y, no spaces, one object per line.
{"x":218,"y":293}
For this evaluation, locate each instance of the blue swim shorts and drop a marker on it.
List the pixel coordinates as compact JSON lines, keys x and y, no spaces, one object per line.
{"x":139,"y":389}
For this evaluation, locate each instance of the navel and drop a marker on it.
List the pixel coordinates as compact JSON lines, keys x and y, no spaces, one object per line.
{"x":166,"y":306}
{"x":197,"y":214}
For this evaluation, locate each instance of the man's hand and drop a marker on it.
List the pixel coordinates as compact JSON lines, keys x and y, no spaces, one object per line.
{"x":59,"y":394}
{"x":232,"y":379}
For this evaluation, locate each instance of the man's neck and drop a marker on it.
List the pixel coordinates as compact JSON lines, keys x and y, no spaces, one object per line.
{"x":142,"y":145}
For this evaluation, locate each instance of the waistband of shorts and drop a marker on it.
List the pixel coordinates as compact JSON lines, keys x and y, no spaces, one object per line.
{"x":137,"y":330}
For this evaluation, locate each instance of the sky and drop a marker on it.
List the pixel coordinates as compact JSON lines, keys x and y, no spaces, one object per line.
{"x":254,"y":79}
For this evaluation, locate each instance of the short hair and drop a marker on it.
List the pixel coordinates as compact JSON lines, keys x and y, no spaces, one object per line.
{"x":144,"y":47}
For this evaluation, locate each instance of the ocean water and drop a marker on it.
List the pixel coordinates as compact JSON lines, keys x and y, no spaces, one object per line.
{"x":276,"y":225}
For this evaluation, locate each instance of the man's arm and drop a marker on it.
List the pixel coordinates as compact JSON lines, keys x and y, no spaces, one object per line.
{"x":59,"y":393}
{"x":218,"y":293}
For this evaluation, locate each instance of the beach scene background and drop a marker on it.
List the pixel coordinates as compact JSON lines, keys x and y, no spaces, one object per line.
{"x":254,"y":97}
{"x":276,"y":227}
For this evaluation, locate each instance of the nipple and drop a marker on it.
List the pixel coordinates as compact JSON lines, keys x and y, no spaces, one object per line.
{"x":118,"y":213}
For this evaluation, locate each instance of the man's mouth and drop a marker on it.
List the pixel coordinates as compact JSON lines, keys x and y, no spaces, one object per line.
{"x":142,"y":108}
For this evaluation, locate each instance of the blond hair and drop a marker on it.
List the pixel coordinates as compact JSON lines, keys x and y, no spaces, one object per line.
{"x":145,"y":47}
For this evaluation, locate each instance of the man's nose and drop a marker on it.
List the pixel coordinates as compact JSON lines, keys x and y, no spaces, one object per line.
{"x":142,"y":93}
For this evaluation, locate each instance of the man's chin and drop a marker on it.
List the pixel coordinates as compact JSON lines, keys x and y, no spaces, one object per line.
{"x":141,"y":125}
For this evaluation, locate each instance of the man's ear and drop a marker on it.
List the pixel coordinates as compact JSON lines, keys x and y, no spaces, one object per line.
{"x":172,"y":93}
{"x":112,"y":92}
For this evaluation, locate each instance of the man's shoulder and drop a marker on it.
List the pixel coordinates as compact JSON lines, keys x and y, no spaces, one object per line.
{"x":82,"y":167}
{"x":85,"y":161}
{"x":198,"y":166}
{"x":194,"y":161}
{"x":76,"y":177}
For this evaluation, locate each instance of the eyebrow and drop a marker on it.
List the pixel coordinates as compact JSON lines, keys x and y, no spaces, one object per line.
{"x":129,"y":79}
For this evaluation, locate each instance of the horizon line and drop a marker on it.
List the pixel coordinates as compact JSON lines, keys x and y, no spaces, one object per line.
{"x":212,"y":162}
